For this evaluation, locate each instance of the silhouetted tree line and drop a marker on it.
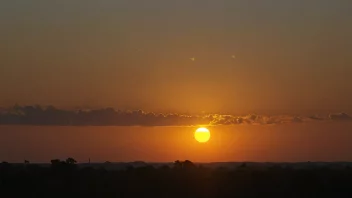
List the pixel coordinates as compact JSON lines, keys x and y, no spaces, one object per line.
{"x":37,"y":115}
{"x":183,"y":179}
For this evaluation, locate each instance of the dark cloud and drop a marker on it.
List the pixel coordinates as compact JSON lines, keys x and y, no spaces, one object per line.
{"x":339,"y":116}
{"x":315,"y":117}
{"x":37,"y":115}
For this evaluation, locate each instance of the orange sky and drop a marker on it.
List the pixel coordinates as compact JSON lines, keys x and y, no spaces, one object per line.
{"x":292,"y":56}
{"x":325,"y":141}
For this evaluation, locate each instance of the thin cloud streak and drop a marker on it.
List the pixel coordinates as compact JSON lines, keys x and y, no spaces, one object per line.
{"x":37,"y":115}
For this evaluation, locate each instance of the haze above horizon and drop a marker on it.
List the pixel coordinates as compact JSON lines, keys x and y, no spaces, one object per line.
{"x":179,"y":56}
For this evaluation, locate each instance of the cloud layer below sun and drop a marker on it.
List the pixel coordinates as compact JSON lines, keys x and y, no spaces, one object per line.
{"x":36,"y":115}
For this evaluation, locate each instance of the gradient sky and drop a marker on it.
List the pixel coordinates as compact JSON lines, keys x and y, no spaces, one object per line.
{"x":278,"y":143}
{"x":291,"y":55}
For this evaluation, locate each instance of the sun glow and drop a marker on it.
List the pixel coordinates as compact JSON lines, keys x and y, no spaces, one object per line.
{"x":202,"y":135}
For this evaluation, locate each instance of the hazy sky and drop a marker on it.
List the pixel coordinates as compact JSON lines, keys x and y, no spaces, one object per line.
{"x":291,"y":55}
{"x":328,"y":141}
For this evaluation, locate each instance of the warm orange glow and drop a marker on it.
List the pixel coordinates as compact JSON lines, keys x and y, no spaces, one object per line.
{"x":202,"y":135}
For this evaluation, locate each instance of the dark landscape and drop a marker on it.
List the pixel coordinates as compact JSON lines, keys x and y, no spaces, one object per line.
{"x":178,"y":179}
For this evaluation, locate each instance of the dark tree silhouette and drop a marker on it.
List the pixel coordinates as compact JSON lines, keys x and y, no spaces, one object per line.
{"x":188,"y":164}
{"x":55,"y":162}
{"x":183,"y":165}
{"x":71,"y":161}
{"x":178,"y":164}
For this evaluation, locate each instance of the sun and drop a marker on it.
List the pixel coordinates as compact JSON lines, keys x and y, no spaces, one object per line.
{"x":202,"y":135}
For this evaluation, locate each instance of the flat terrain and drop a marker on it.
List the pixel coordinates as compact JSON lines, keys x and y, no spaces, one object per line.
{"x":178,"y":179}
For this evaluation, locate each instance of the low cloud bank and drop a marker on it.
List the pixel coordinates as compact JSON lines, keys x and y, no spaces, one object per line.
{"x":37,"y":115}
{"x":339,"y":116}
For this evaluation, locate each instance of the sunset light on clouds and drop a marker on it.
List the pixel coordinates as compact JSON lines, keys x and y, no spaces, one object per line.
{"x":176,"y":98}
{"x":280,"y":65}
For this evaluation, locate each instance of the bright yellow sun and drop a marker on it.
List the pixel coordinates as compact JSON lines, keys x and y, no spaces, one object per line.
{"x":202,"y":135}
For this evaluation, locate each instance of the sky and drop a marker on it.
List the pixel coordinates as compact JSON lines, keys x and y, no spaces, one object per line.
{"x":290,"y":56}
{"x":314,"y":142}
